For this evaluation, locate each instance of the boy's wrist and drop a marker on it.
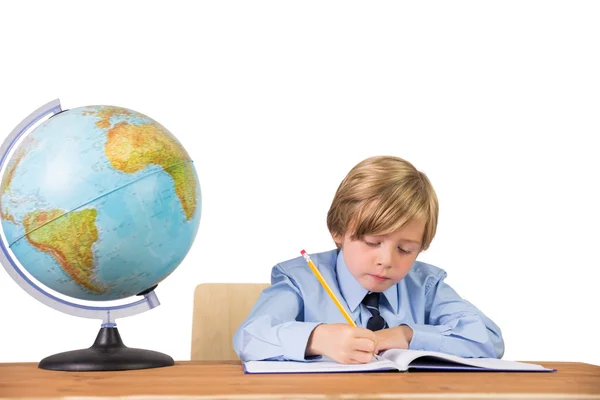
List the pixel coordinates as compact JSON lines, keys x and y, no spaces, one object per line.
{"x":408,"y":333}
{"x":313,"y":344}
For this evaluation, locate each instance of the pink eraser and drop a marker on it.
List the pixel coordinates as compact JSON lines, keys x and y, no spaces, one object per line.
{"x":303,"y":252}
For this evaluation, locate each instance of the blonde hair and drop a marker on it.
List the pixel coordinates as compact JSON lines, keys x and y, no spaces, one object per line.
{"x":381,"y":194}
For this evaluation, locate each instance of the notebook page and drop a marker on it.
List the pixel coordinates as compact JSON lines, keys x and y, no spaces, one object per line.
{"x":405,"y":357}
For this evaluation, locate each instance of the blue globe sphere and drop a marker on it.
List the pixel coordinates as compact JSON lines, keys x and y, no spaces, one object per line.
{"x":100,"y":203}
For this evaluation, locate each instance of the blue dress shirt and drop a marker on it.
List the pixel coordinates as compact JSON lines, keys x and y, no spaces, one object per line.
{"x":280,"y":323}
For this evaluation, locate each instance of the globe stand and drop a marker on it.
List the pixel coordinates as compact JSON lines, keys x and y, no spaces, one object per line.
{"x":108,"y":353}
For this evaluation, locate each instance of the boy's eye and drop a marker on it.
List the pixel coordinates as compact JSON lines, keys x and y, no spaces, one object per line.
{"x":375,"y":244}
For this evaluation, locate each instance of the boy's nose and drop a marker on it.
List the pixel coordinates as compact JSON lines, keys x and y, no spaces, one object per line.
{"x":385,"y":258}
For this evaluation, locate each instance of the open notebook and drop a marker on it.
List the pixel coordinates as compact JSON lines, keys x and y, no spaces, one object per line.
{"x":394,"y":360}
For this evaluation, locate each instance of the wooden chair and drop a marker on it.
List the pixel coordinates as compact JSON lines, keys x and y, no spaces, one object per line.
{"x":219,"y":309}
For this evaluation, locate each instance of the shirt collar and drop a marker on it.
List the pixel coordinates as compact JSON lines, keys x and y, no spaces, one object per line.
{"x":353,"y":291}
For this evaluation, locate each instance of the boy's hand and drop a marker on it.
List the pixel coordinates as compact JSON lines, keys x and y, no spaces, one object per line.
{"x":393,"y":338}
{"x":342,"y":343}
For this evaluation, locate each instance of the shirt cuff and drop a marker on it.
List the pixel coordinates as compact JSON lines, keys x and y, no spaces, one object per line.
{"x":294,"y":339}
{"x":425,"y":337}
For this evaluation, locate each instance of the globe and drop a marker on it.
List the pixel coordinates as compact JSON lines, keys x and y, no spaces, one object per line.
{"x":100,"y":203}
{"x":97,"y":204}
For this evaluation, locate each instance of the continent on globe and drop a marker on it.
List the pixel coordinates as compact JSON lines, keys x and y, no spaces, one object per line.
{"x":9,"y":175}
{"x":68,"y":237}
{"x":132,"y":147}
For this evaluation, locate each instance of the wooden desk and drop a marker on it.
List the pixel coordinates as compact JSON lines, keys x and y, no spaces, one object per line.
{"x":224,"y":380}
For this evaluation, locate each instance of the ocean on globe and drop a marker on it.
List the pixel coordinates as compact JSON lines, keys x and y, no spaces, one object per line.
{"x":100,"y":203}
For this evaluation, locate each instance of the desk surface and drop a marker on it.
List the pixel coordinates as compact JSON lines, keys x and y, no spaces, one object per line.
{"x":203,"y":380}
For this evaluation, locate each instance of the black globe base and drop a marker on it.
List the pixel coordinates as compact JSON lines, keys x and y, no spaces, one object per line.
{"x":108,"y":353}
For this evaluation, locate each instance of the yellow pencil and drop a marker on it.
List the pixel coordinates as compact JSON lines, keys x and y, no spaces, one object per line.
{"x":327,"y":288}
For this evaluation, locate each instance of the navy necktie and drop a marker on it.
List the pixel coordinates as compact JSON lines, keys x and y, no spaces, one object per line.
{"x":376,"y":322}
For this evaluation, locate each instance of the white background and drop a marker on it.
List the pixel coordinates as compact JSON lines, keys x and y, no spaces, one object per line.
{"x":275,"y":101}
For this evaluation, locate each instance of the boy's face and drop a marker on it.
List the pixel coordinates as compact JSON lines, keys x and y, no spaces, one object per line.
{"x":378,"y":262}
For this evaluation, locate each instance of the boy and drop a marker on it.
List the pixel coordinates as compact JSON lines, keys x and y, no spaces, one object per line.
{"x":383,"y":215}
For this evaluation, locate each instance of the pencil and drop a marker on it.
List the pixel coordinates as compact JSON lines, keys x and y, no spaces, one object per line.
{"x":327,"y":288}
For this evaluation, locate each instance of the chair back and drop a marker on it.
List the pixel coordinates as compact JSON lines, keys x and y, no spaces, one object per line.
{"x":219,"y":309}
